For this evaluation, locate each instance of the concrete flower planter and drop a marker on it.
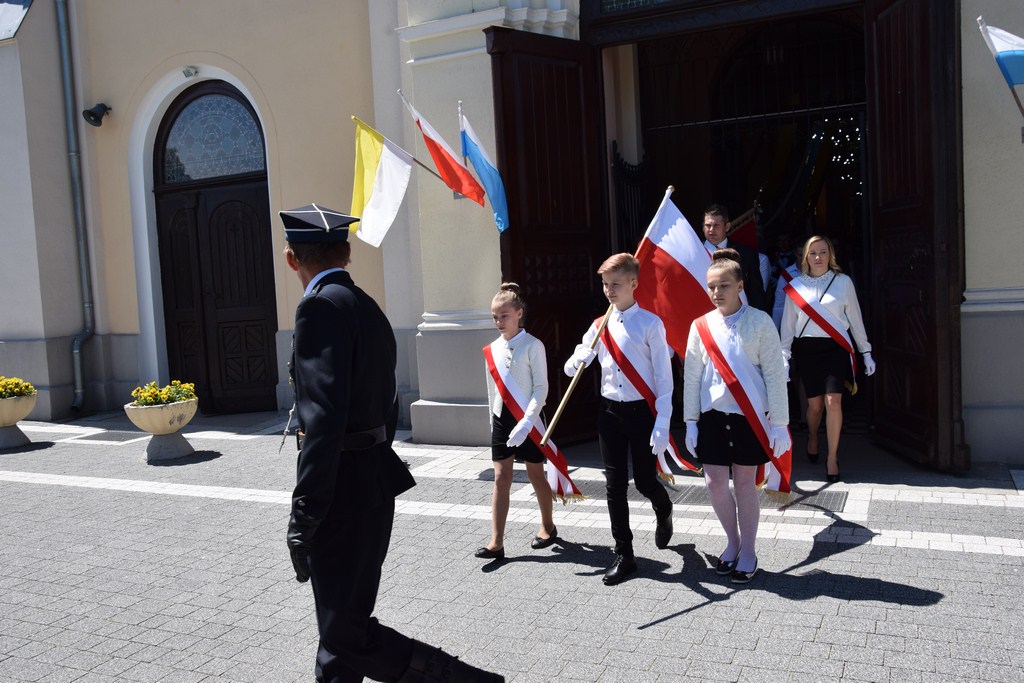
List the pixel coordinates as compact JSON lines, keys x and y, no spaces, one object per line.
{"x":13,"y":410}
{"x":164,"y":422}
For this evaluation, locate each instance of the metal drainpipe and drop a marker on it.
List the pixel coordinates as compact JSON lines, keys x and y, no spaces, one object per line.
{"x":77,"y":200}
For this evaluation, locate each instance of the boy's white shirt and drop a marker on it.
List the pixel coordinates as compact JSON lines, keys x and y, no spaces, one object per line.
{"x":640,"y":335}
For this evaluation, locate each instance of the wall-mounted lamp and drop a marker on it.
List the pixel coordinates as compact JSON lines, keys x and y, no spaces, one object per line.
{"x":190,"y":71}
{"x":94,"y":116}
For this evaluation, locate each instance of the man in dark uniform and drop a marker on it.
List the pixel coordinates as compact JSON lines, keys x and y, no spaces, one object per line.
{"x":343,"y":369}
{"x":716,"y":227}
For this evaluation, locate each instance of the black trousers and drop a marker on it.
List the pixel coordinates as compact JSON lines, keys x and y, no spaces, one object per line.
{"x":345,"y":570}
{"x":624,"y":429}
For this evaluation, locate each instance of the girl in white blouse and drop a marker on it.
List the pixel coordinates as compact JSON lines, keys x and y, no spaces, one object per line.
{"x":718,"y":433}
{"x":822,"y":364}
{"x":522,"y":355}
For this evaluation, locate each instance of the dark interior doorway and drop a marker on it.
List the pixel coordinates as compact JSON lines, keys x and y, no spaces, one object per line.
{"x":216,"y":254}
{"x":767,"y":116}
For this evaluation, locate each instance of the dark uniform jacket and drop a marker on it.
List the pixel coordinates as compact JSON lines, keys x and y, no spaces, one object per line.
{"x":343,"y":369}
{"x":753,"y":285}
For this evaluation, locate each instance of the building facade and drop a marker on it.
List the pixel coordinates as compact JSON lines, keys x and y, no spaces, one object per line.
{"x":221,"y":116}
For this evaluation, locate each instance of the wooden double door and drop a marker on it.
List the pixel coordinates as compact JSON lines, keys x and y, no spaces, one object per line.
{"x":552,"y":152}
{"x":220,"y":313}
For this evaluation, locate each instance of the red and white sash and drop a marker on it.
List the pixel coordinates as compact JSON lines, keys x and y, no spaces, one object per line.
{"x":556,"y":468}
{"x":644,"y":385}
{"x":803,"y":297}
{"x":748,"y":390}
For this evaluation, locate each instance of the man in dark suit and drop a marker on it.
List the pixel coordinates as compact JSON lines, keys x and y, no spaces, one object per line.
{"x":343,"y":506}
{"x":716,"y":227}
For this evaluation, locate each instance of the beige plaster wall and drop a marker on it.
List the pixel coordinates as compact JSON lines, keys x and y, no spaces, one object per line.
{"x":306,"y":67}
{"x":19,"y":269}
{"x":39,"y":273}
{"x":993,"y":153}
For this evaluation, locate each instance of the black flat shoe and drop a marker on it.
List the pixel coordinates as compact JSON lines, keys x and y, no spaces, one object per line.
{"x":832,"y":478}
{"x":812,"y":457}
{"x":621,"y":568}
{"x":486,"y":553}
{"x":663,"y":532}
{"x":539,"y":543}
{"x":724,"y":568}
{"x":744,"y":577}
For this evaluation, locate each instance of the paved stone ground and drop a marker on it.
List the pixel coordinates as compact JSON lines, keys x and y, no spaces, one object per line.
{"x":116,"y":570}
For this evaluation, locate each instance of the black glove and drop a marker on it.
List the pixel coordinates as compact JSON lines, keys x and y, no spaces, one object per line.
{"x":300,"y":562}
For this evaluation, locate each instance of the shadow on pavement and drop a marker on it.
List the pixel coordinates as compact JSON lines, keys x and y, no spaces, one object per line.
{"x":786,"y":583}
{"x":27,"y":448}
{"x":191,"y":459}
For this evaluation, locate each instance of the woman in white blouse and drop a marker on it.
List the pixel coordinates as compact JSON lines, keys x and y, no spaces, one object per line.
{"x":822,"y":364}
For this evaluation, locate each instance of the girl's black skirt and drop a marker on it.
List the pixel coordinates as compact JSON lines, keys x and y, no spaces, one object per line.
{"x":727,"y":439}
{"x":500,"y":430}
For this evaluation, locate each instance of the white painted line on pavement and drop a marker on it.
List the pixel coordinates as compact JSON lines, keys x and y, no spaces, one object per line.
{"x":689,"y":519}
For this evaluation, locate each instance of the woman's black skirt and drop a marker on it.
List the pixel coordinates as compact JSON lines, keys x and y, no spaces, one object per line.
{"x":822,"y":364}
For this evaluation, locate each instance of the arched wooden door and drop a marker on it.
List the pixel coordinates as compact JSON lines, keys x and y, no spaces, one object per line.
{"x":216,"y":254}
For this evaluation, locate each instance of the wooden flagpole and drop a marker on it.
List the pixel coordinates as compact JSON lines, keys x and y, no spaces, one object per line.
{"x":741,"y":219}
{"x":575,"y":378}
{"x":580,"y":368}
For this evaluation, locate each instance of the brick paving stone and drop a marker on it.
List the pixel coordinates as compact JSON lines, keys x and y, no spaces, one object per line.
{"x":130,"y":579}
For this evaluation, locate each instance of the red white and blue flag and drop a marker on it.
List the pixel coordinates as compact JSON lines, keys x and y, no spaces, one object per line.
{"x":453,"y":173}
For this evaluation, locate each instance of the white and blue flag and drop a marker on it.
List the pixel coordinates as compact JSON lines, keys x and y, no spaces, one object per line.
{"x":1008,"y":50}
{"x":487,"y":172}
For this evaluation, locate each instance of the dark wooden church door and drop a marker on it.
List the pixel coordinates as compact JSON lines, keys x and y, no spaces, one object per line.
{"x":550,"y":142}
{"x":216,"y":254}
{"x":914,"y":139}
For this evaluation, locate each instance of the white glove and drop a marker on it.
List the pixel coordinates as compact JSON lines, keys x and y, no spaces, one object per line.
{"x":691,"y":437}
{"x":519,"y":433}
{"x":779,"y":440}
{"x":869,"y":364}
{"x":583,"y":355}
{"x":785,"y":364}
{"x":659,"y":440}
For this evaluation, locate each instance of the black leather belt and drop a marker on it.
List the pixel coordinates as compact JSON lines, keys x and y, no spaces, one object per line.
{"x":355,"y":441}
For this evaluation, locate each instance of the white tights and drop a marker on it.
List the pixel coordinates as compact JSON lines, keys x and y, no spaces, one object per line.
{"x":738,"y":516}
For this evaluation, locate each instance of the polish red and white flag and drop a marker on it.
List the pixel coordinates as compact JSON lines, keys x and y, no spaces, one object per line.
{"x":673,"y":273}
{"x":453,"y":173}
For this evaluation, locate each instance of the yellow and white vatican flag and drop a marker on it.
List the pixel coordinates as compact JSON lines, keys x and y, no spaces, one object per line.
{"x":381,"y":178}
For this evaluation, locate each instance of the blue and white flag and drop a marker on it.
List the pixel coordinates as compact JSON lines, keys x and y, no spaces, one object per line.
{"x":486,"y":170}
{"x":1008,"y":50}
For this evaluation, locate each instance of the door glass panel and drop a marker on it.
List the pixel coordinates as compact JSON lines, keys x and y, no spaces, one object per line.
{"x":213,"y":136}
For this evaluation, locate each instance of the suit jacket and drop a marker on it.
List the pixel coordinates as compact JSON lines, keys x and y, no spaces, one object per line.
{"x":753,"y":285}
{"x":343,"y":370}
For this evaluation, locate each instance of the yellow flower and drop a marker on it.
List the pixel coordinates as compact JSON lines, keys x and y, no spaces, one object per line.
{"x":14,"y":386}
{"x":151,"y":395}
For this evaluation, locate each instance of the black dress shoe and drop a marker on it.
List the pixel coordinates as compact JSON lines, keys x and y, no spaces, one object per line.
{"x":744,"y":577}
{"x":486,"y":553}
{"x":725,"y":567}
{"x":622,"y":567}
{"x":538,"y":543}
{"x":832,"y":478}
{"x":812,"y":457}
{"x":663,"y":532}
